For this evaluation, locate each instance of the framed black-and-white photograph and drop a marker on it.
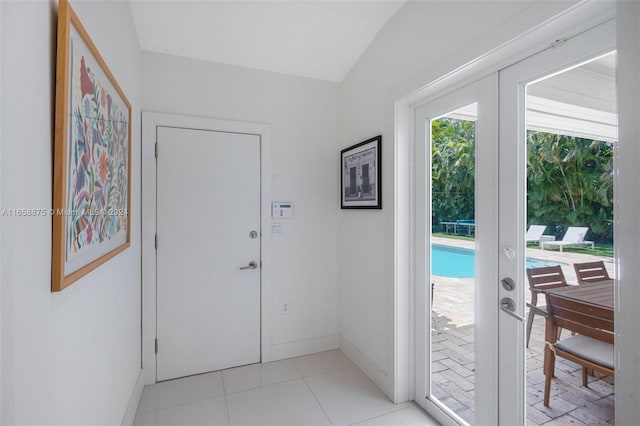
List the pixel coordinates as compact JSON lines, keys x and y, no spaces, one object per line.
{"x":361,"y":175}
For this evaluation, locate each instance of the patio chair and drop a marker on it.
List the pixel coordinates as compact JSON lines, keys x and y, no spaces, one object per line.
{"x":541,"y":280}
{"x":534,"y":232}
{"x":591,"y":347}
{"x":573,"y":237}
{"x":591,"y":272}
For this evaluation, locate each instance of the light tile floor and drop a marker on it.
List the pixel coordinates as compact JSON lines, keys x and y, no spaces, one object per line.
{"x":319,"y":389}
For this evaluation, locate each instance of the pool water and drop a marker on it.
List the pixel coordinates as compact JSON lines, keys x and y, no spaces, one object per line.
{"x":456,"y":262}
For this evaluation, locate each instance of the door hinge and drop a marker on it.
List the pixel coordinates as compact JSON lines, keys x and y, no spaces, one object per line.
{"x":156,"y":150}
{"x":156,"y":348}
{"x":156,"y":242}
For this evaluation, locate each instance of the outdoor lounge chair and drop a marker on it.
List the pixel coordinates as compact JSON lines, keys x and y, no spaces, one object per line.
{"x":534,"y":232}
{"x":573,"y":237}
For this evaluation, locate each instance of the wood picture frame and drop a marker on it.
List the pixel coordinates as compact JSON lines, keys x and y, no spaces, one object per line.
{"x":92,"y":157}
{"x":361,"y":175}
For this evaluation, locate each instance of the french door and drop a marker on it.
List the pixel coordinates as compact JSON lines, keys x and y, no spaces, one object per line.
{"x":485,"y":360}
{"x":519,"y":113}
{"x":456,"y":337}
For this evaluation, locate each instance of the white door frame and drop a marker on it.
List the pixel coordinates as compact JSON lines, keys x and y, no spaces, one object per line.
{"x":150,"y":121}
{"x":407,"y":98}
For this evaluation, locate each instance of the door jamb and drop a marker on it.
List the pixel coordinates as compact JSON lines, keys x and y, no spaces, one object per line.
{"x":150,"y":121}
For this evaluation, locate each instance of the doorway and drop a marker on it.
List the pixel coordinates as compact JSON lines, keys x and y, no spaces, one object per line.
{"x":455,"y":274}
{"x":179,"y":201}
{"x":208,"y":261}
{"x":500,"y":227}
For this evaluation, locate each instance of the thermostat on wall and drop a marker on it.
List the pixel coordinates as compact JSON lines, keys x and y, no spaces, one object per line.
{"x":281,"y":210}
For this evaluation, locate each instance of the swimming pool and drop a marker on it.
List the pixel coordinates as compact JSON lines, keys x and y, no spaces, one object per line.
{"x":457,"y":262}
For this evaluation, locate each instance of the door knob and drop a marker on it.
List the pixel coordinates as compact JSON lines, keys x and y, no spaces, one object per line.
{"x":251,"y":265}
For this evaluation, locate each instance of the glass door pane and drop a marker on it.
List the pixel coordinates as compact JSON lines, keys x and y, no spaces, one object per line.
{"x":452,"y":280}
{"x":456,"y":342}
{"x":556,"y":140}
{"x":571,"y":129}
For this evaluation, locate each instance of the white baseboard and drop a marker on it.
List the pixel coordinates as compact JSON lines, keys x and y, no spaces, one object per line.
{"x":380,"y":377}
{"x":304,"y":347}
{"x":132,"y":407}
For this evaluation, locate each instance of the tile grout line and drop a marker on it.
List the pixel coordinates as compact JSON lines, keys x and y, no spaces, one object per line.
{"x":264,"y":386}
{"x":296,"y":366}
{"x":380,"y":415}
{"x":304,"y":379}
{"x":226,"y":402}
{"x":396,"y":408}
{"x":192,"y":401}
{"x":261,"y":385}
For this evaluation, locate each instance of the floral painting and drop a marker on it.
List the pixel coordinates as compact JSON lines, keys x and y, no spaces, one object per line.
{"x":97,"y":192}
{"x":91,"y":157}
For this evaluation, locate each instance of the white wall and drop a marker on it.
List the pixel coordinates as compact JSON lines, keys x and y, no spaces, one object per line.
{"x":303,"y":114}
{"x":71,"y":357}
{"x":628,"y":196}
{"x":422,"y":42}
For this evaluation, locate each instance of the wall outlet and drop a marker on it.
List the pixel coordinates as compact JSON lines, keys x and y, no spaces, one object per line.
{"x":284,"y":309}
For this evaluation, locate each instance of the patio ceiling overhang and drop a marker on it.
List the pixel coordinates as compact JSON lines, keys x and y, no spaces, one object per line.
{"x":580,"y":102}
{"x":546,"y":115}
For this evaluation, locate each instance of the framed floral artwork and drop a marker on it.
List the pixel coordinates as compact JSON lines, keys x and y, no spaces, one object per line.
{"x":92,"y":157}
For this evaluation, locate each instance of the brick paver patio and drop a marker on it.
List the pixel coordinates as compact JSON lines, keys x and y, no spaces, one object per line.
{"x":453,"y":381}
{"x":453,"y":360}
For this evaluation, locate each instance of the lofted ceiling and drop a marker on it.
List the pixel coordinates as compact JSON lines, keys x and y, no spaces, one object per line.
{"x":317,"y":39}
{"x":323,"y":39}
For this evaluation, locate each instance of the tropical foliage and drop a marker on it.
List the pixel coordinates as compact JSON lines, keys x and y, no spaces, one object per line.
{"x":453,"y":169}
{"x":570,"y":183}
{"x":569,"y":179}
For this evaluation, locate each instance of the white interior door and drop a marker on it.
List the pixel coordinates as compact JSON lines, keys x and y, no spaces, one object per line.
{"x":513,"y":82}
{"x":208,"y":254}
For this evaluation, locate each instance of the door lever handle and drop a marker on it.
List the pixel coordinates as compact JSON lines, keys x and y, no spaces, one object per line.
{"x":251,"y":265}
{"x":508,"y":307}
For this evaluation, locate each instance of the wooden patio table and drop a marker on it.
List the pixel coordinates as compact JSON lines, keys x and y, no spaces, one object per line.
{"x":598,"y":293}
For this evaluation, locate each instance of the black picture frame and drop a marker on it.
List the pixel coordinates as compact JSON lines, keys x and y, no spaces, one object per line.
{"x":361,"y":175}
